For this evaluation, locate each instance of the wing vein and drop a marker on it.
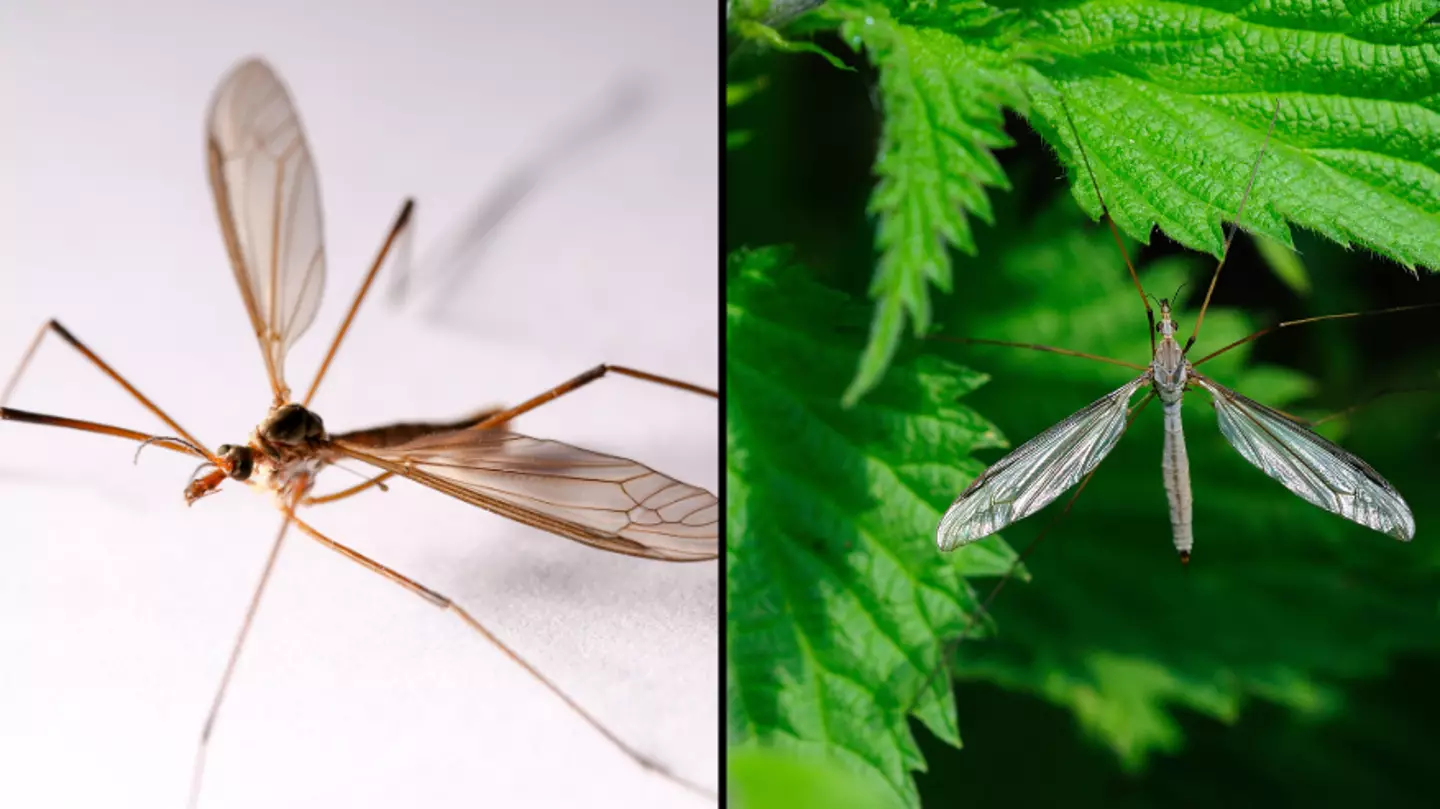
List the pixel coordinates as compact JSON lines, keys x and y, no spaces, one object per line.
{"x":1311,"y":467}
{"x":536,"y":482}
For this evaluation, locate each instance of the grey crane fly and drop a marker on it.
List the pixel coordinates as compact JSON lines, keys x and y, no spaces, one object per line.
{"x":1287,"y":450}
{"x":1047,"y":465}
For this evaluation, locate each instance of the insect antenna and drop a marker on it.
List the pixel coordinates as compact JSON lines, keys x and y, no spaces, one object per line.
{"x":169,"y":439}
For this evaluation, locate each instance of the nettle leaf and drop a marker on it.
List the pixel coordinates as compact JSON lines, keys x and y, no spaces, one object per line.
{"x":756,"y":22}
{"x":769,"y":37}
{"x":1172,"y":101}
{"x":837,"y":598}
{"x":943,"y":91}
{"x":767,"y":778}
{"x":1115,"y":630}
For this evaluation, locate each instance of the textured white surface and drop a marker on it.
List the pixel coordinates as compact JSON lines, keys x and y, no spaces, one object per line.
{"x":118,"y":604}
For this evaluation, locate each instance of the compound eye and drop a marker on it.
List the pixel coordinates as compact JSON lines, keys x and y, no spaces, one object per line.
{"x":240,"y":459}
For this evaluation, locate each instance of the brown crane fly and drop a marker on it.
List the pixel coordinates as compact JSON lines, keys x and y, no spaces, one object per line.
{"x":268,"y":200}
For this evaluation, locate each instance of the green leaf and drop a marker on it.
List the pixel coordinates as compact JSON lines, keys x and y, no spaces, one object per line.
{"x":1285,"y":263}
{"x":737,"y":93}
{"x":838,"y":600}
{"x":765,"y":778}
{"x":775,"y":13}
{"x":742,"y":91}
{"x":734,"y":139}
{"x":1172,"y":101}
{"x":763,"y":34}
{"x":1378,"y":750}
{"x":944,"y":92}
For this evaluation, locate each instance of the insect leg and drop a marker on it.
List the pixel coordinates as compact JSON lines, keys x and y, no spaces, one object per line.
{"x":11,"y":414}
{"x":1036,"y":347}
{"x":487,"y":419}
{"x":1285,"y":324}
{"x":581,"y":381}
{"x":445,"y":603}
{"x":1366,"y":402}
{"x":401,"y":221}
{"x":378,"y":480}
{"x":54,"y":325}
{"x":197,"y":774}
{"x":1234,"y":226}
{"x":1110,"y":220}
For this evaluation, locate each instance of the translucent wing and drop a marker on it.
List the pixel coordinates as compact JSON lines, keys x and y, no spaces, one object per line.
{"x":1039,"y":471}
{"x":1313,"y":468}
{"x":610,"y":503}
{"x":268,"y":200}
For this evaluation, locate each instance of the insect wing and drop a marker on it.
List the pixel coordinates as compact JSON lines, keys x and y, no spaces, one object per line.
{"x":1039,"y":471}
{"x":605,"y":501}
{"x":1320,"y":472}
{"x":268,"y":200}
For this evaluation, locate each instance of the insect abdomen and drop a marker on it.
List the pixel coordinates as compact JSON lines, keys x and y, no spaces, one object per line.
{"x":1176,"y":467}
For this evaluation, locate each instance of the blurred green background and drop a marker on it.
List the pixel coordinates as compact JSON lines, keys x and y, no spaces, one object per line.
{"x":1293,"y":663}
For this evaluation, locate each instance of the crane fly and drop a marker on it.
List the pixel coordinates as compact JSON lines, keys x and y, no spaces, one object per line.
{"x":1281,"y":446}
{"x":267,"y":198}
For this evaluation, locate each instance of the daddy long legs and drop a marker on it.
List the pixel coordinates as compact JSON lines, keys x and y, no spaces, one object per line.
{"x":1283,"y":447}
{"x":267,"y":198}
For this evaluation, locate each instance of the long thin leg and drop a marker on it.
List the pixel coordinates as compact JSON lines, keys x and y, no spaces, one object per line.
{"x":1288,"y":323}
{"x":401,"y":221}
{"x":84,"y":350}
{"x":1110,"y":220}
{"x":25,"y":361}
{"x":378,"y":480}
{"x":11,"y":414}
{"x":1037,"y":347}
{"x":198,"y":773}
{"x":1234,"y":226}
{"x":495,"y":418}
{"x":1369,"y":400}
{"x":984,"y":606}
{"x":581,"y":381}
{"x":445,"y":603}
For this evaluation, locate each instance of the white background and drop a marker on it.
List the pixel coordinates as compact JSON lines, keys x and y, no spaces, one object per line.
{"x":118,"y":605}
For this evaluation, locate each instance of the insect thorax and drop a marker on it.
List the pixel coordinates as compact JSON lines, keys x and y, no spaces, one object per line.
{"x":1170,"y":370}
{"x":286,"y":446}
{"x":290,"y":425}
